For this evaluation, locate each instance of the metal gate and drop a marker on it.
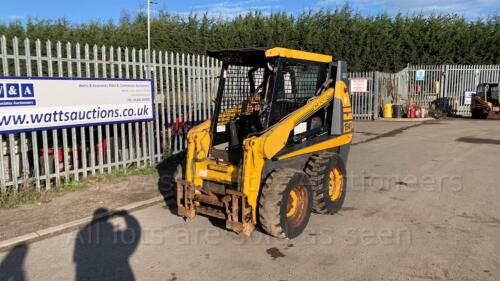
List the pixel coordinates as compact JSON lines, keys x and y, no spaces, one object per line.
{"x":363,"y":103}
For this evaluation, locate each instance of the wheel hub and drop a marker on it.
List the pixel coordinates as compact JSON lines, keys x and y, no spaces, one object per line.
{"x":335,"y":184}
{"x":297,"y":204}
{"x":292,"y":204}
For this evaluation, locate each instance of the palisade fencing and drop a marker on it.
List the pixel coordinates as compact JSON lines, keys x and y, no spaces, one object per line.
{"x":443,"y":85}
{"x":390,"y":87}
{"x":42,"y":159}
{"x":428,"y":90}
{"x":461,"y":78}
{"x":363,"y":103}
{"x":184,"y":87}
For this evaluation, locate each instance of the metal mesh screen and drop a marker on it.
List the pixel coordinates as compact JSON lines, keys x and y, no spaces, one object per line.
{"x":238,"y":86}
{"x":300,"y":82}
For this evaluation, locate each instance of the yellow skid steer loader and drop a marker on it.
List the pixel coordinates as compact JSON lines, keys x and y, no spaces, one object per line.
{"x":485,"y":103}
{"x":276,"y":145}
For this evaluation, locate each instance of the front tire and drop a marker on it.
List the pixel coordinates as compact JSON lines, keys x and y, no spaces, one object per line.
{"x":479,"y":114}
{"x":177,"y":174}
{"x":285,"y":204}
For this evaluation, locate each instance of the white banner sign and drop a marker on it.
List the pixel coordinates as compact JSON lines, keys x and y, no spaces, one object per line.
{"x":359,"y":85}
{"x":468,"y":97}
{"x":28,"y":104}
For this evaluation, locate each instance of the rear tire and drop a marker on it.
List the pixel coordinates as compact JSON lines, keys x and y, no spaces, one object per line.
{"x":285,"y":204}
{"x":328,"y":176}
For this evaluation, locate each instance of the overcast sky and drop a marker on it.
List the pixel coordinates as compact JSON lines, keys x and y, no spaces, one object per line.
{"x":83,"y":11}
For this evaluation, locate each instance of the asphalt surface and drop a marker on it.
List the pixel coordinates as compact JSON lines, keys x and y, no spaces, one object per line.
{"x":422,"y":205}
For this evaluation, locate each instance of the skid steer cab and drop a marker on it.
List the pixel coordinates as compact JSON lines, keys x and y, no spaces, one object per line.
{"x":276,"y":146}
{"x":485,"y":103}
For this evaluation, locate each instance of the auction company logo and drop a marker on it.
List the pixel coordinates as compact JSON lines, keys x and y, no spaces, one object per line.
{"x":17,"y":94}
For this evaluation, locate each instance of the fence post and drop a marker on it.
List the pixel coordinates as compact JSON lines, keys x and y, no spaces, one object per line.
{"x":151,"y":126}
{"x":12,"y":140}
{"x":476,"y":77}
{"x":3,"y":52}
{"x":444,"y":90}
{"x":375,"y":95}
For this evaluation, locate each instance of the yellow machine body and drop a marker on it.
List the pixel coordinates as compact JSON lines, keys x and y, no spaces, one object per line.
{"x":267,"y":145}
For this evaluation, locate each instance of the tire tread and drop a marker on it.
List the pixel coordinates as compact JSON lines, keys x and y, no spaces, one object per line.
{"x":316,"y":169}
{"x":271,"y":199}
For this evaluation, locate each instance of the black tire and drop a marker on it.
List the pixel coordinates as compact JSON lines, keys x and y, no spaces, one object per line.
{"x":319,"y":168}
{"x":178,"y":173}
{"x":279,"y":215}
{"x":479,"y":114}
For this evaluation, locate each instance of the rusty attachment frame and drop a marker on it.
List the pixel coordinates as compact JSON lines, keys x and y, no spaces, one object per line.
{"x":225,"y":204}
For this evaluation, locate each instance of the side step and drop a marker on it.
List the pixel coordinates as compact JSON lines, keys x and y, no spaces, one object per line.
{"x":229,"y":205}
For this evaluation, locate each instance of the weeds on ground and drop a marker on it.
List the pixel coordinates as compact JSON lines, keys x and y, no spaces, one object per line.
{"x":27,"y":195}
{"x":14,"y":199}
